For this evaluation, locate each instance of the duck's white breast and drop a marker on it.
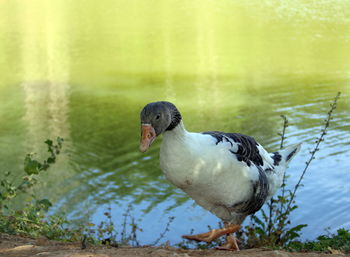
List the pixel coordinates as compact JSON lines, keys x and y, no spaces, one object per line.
{"x":206,"y":171}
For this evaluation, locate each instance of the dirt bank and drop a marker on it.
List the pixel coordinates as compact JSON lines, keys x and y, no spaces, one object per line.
{"x":11,"y":246}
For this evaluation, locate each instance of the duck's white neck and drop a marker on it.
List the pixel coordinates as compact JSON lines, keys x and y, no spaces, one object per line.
{"x":179,"y":132}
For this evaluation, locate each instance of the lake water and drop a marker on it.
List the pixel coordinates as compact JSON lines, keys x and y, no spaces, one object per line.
{"x":84,"y":71}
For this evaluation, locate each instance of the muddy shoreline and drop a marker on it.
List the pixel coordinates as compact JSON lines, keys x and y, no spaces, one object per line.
{"x":16,"y":246}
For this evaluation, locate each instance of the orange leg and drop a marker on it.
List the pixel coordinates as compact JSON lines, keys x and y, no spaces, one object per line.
{"x":214,"y":234}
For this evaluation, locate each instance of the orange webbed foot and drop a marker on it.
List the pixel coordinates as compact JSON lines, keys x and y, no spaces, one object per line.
{"x":213,"y":234}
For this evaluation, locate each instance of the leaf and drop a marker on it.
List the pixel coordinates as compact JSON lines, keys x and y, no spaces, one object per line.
{"x":51,"y":160}
{"x":259,"y":231}
{"x":44,"y":204}
{"x":290,"y":235}
{"x":293,"y":232}
{"x":49,"y":142}
{"x":298,"y":228}
{"x":257,"y":220}
{"x":31,"y":166}
{"x":59,"y":141}
{"x":264,"y":215}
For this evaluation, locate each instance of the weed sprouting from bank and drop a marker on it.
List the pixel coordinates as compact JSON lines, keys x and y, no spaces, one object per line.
{"x":162,"y":235}
{"x":31,"y":219}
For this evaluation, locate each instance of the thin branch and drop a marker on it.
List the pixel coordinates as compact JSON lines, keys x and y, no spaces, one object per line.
{"x":125,"y":220}
{"x":283,"y":137}
{"x":285,"y":125}
{"x":170,"y":220}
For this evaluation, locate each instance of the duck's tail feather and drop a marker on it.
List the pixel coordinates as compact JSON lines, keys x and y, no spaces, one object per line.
{"x":288,"y":153}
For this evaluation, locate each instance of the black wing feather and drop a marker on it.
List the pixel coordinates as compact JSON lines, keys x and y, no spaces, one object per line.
{"x":247,"y":146}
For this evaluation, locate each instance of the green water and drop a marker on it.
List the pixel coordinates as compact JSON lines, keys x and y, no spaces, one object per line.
{"x":83,"y":70}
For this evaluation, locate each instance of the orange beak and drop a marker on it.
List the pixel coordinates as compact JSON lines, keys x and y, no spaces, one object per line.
{"x":148,"y":134}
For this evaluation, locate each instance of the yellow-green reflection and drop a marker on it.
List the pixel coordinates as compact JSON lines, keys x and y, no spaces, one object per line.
{"x":85,"y":41}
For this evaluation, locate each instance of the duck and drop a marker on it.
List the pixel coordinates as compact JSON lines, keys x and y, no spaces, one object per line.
{"x":229,"y":174}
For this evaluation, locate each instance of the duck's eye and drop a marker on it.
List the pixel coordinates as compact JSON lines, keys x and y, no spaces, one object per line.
{"x":158,"y":117}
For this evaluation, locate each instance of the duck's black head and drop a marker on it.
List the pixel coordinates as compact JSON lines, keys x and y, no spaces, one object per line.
{"x":156,"y":118}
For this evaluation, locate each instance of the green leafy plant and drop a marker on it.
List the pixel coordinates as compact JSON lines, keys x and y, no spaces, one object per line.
{"x":32,"y":167}
{"x":31,"y":219}
{"x":332,"y":243}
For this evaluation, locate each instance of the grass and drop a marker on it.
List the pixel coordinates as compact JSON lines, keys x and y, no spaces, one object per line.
{"x":331,"y":243}
{"x":271,"y":228}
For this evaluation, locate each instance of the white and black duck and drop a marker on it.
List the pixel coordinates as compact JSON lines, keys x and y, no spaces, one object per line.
{"x":229,"y":174}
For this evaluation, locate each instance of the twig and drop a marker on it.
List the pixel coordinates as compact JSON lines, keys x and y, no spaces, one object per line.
{"x":285,"y":125}
{"x":313,"y":152}
{"x":170,"y":220}
{"x":134,"y":227}
{"x":126,"y":215}
{"x":269,"y":223}
{"x":270,"y":204}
